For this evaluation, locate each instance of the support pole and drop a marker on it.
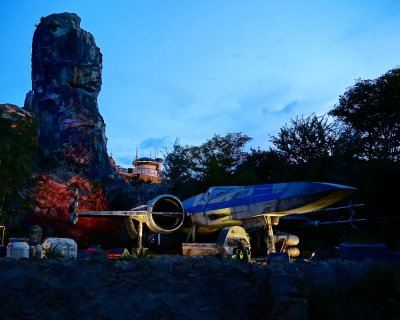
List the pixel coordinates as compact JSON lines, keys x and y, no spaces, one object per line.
{"x":140,"y":238}
{"x":192,"y":234}
{"x":270,"y":235}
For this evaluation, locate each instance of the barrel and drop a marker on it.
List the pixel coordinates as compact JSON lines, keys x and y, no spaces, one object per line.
{"x":293,"y":252}
{"x":290,"y":239}
{"x":17,"y":248}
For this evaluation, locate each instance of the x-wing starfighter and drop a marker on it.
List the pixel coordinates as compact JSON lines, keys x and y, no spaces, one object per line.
{"x":254,"y":206}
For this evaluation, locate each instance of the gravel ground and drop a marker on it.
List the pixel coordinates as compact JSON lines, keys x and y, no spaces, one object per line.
{"x":177,"y":287}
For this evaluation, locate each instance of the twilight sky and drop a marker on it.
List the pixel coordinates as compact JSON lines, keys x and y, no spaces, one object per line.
{"x":189,"y":69}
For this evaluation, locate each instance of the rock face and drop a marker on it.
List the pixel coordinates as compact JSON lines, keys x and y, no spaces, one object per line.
{"x":66,"y":81}
{"x":14,"y":114}
{"x":52,"y":199}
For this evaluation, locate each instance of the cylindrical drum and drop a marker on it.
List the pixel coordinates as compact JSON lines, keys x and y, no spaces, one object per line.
{"x":293,"y":252}
{"x":17,"y":248}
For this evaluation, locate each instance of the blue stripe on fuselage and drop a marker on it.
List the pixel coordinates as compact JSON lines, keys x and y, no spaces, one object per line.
{"x":234,"y":202}
{"x":259,"y":193}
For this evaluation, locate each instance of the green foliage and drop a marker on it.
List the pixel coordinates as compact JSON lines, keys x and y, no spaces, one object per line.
{"x":17,"y":148}
{"x":310,"y":147}
{"x":192,"y":169}
{"x":226,"y":151}
{"x":261,"y":166}
{"x":306,"y":139}
{"x":178,"y":171}
{"x":371,"y":110}
{"x":139,"y":254}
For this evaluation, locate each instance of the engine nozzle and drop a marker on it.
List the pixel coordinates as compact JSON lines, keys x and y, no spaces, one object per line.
{"x":165,"y":214}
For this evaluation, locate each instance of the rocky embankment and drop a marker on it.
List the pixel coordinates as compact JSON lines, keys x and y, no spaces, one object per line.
{"x":175,"y":287}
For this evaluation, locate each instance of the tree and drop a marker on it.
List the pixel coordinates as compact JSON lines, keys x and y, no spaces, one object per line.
{"x":178,"y":170}
{"x":18,"y":145}
{"x":371,"y":110}
{"x":191,"y":169}
{"x":261,"y":166}
{"x":223,"y":154}
{"x":306,"y":139}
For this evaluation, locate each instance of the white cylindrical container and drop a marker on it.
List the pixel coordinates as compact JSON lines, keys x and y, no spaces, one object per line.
{"x":17,"y":248}
{"x":61,"y":247}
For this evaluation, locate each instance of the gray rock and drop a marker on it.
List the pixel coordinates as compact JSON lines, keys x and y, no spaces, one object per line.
{"x":66,"y":80}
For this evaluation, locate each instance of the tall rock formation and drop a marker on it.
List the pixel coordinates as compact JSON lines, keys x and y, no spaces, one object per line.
{"x":66,"y":81}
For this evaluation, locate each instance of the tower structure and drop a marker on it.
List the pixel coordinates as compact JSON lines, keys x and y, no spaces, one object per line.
{"x":148,"y":169}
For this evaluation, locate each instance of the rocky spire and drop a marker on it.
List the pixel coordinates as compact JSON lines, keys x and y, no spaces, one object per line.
{"x":66,"y":80}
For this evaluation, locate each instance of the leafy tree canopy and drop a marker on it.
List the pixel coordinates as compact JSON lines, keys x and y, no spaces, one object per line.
{"x":371,"y":109}
{"x":191,"y":169}
{"x":306,"y":139}
{"x":261,"y":166}
{"x":17,"y":148}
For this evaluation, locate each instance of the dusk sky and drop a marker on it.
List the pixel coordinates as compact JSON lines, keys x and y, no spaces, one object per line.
{"x":190,"y":69}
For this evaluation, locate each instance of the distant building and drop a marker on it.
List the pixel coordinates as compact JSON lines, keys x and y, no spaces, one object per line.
{"x":145,"y":169}
{"x":148,"y":169}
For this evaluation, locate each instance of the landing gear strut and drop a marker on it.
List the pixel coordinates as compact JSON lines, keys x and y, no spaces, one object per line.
{"x":270,"y":239}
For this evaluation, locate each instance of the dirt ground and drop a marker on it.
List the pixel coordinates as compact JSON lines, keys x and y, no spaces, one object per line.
{"x":177,"y":287}
{"x":159,"y":288}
